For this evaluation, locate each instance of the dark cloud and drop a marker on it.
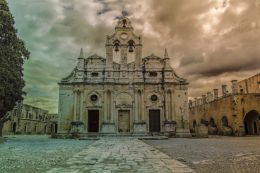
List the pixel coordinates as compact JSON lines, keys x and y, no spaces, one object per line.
{"x":210,"y":42}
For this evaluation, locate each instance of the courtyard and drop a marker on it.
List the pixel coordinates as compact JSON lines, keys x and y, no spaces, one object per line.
{"x":218,"y":154}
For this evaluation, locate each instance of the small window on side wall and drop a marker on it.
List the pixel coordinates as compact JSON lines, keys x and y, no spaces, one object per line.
{"x":94,"y":74}
{"x":153,"y":74}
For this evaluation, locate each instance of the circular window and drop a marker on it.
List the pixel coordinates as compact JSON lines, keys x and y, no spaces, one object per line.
{"x":93,"y":97}
{"x":154,"y":97}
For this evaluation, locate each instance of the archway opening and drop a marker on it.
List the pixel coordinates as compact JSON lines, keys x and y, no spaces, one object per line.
{"x":14,"y":128}
{"x":212,"y":122}
{"x":224,"y":121}
{"x":194,"y":126}
{"x":252,"y":123}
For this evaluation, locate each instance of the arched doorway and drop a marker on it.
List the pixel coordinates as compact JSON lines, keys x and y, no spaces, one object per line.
{"x":212,"y":127}
{"x":194,"y":126}
{"x":212,"y":122}
{"x":14,"y":128}
{"x":252,"y":123}
{"x":224,"y":121}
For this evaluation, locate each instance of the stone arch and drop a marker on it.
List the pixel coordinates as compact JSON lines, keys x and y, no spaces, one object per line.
{"x":212,"y":122}
{"x":225,"y":128}
{"x":212,"y":128}
{"x":252,"y":123}
{"x":116,"y":45}
{"x":224,"y":121}
{"x":131,"y":45}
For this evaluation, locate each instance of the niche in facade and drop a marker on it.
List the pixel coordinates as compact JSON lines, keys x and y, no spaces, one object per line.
{"x":153,"y":74}
{"x":94,"y":74}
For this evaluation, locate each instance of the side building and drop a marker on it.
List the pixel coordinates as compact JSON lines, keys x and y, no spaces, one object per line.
{"x":27,"y":119}
{"x":235,"y":113}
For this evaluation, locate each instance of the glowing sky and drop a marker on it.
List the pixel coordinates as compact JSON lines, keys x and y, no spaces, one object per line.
{"x":210,"y":42}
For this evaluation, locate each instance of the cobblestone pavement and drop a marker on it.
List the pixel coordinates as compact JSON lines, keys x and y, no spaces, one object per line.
{"x":217,"y":154}
{"x":36,"y":153}
{"x":126,"y":155}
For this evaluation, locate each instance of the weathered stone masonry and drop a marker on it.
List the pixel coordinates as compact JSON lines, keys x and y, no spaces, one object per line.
{"x":124,"y":92}
{"x":235,"y":113}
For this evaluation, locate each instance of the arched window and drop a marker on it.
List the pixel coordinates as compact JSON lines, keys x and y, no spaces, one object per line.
{"x":224,"y":121}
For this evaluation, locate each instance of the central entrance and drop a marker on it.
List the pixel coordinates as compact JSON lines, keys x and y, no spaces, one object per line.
{"x":124,"y":121}
{"x":154,"y":120}
{"x":93,"y":120}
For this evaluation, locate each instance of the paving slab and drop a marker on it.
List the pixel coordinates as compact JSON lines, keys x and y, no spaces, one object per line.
{"x":121,"y":155}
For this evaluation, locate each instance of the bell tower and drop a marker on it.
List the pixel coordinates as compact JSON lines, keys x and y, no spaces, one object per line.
{"x":124,"y":47}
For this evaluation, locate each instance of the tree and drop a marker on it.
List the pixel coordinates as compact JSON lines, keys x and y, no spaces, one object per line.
{"x":13,"y":53}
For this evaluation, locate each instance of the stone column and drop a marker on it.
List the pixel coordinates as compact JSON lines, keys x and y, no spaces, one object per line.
{"x":234,"y":87}
{"x":224,"y":90}
{"x":171,"y":107}
{"x":75,"y":105}
{"x":166,"y":105}
{"x":105,"y":107}
{"x":136,"y":107}
{"x":81,"y":105}
{"x":142,"y":116}
{"x":113,"y":113}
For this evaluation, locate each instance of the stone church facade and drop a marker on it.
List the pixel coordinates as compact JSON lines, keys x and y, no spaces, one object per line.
{"x":123,"y":92}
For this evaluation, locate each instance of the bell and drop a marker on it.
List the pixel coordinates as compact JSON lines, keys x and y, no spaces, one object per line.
{"x":116,"y":48}
{"x":131,"y":49}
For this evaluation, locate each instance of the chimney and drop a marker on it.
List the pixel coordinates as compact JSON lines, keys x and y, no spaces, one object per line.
{"x":234,"y":86}
{"x":215,"y":91}
{"x":224,"y":90}
{"x":208,"y":96}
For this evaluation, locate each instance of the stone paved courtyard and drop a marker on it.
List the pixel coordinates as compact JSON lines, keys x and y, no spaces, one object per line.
{"x":123,"y":155}
{"x":36,"y":153}
{"x":217,"y":154}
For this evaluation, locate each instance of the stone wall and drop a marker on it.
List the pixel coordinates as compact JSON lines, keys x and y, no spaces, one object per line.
{"x":228,"y":114}
{"x":26,"y":119}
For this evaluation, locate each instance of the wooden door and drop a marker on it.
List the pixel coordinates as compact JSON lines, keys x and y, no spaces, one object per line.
{"x":154,"y":121}
{"x":93,"y":120}
{"x":123,"y":121}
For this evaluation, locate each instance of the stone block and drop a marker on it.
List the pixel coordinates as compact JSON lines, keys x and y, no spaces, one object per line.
{"x":140,"y":127}
{"x":169,"y":128}
{"x":108,"y":128}
{"x":183,"y":133}
{"x":202,"y":131}
{"x":212,"y":130}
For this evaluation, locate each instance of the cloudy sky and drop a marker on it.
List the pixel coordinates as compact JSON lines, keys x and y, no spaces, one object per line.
{"x":210,"y":42}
